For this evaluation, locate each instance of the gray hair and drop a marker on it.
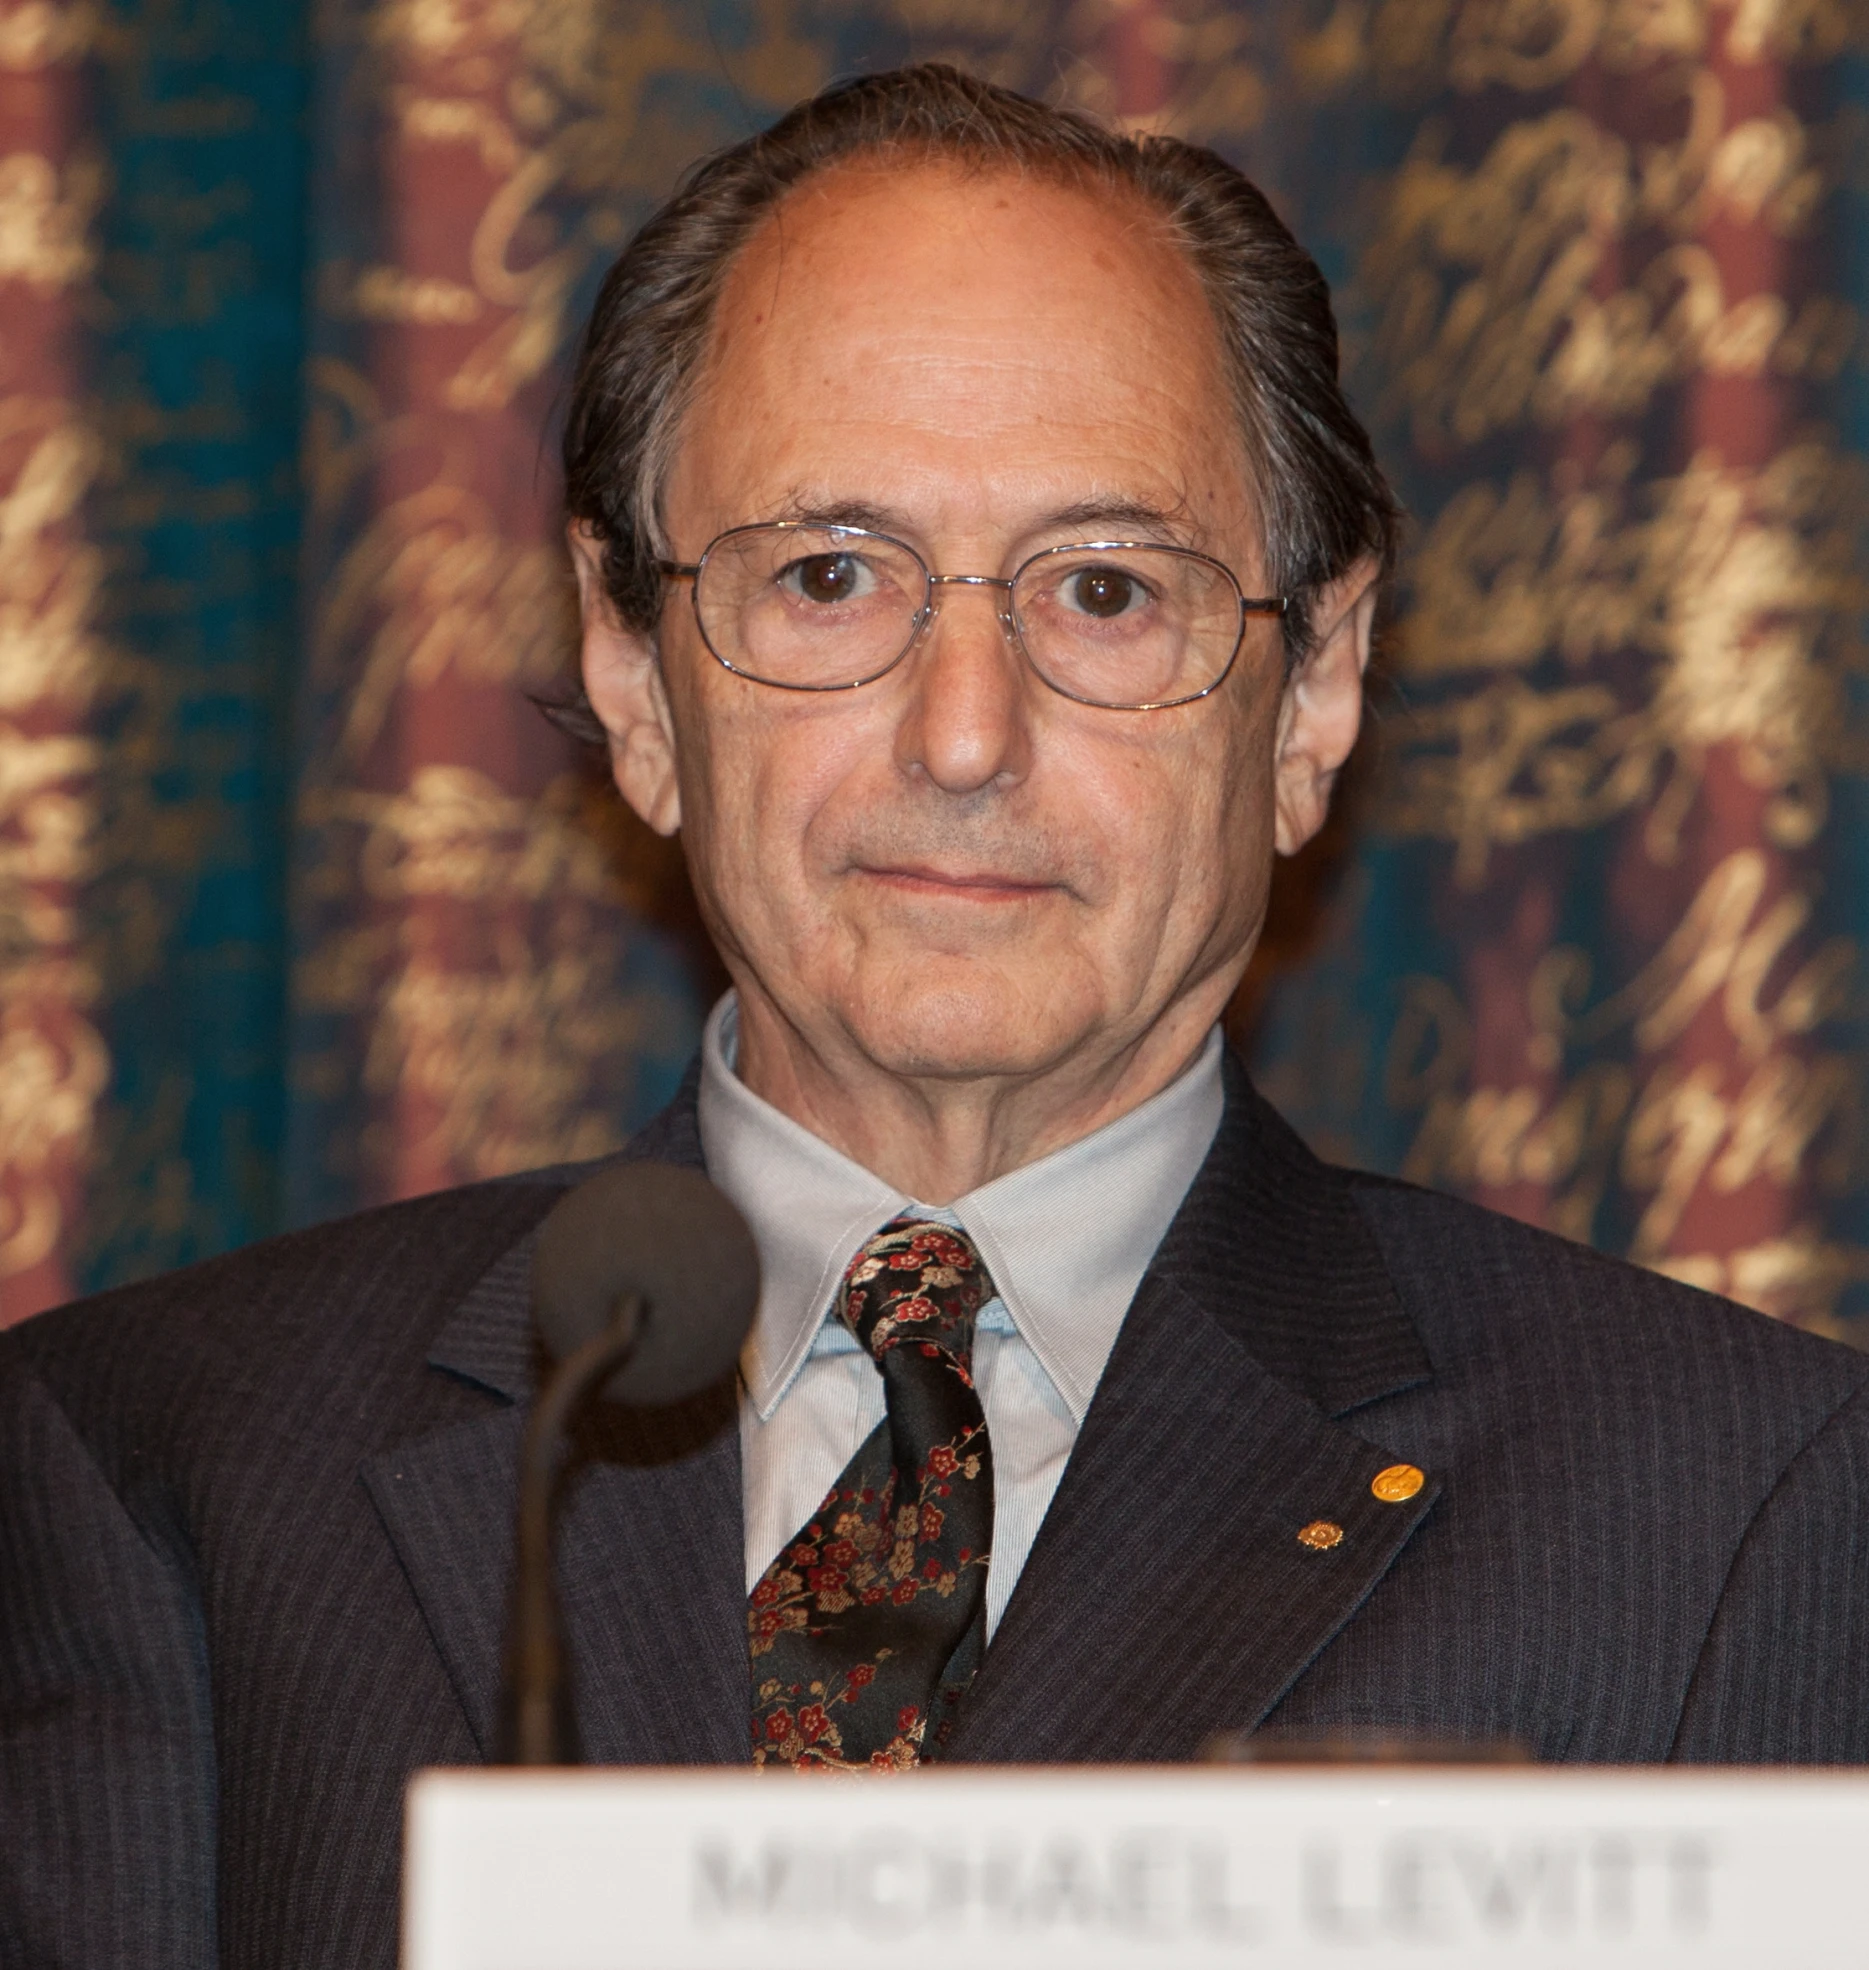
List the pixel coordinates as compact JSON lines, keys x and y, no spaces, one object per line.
{"x":1324,"y":500}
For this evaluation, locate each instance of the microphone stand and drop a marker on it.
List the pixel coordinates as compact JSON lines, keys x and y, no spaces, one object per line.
{"x":537,"y":1722}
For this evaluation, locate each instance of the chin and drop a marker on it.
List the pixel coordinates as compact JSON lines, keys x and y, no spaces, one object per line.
{"x":964,"y":1029}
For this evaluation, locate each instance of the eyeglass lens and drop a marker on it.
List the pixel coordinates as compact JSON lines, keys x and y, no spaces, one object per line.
{"x":818,"y":608}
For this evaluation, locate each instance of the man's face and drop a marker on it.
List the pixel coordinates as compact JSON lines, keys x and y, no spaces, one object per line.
{"x":954,"y":872}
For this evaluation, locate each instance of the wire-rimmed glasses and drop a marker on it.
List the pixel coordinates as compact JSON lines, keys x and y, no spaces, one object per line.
{"x":1123,"y":625}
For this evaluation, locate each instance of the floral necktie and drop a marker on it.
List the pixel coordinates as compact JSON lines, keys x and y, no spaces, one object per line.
{"x":868,"y":1627}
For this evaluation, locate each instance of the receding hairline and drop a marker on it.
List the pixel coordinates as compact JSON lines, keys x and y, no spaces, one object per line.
{"x":898,"y":159}
{"x":894,"y":158}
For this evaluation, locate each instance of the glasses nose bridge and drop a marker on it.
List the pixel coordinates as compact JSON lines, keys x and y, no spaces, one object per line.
{"x":1003,"y":610}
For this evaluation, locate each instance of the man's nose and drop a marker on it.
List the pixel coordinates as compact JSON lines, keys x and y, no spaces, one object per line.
{"x":966,"y":722}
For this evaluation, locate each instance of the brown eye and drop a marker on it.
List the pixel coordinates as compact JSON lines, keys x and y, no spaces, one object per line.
{"x":827,"y":578}
{"x":1102,"y":591}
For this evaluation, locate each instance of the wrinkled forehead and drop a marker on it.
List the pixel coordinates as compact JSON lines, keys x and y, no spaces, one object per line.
{"x":937,"y":309}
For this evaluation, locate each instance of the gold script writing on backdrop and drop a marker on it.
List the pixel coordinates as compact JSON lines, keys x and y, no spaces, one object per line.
{"x":1736,"y":588}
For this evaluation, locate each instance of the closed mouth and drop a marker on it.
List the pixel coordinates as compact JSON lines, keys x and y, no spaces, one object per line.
{"x":986,"y":884}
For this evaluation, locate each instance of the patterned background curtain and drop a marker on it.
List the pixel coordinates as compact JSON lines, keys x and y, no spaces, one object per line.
{"x":303,"y":907}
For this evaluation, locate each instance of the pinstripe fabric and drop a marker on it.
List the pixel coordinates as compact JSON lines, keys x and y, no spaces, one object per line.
{"x":201,"y":1623}
{"x":254,"y":1538}
{"x":107,"y":1746}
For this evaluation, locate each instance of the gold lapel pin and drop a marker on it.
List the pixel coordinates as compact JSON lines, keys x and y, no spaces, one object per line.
{"x":1398,"y":1483}
{"x":1321,"y":1535}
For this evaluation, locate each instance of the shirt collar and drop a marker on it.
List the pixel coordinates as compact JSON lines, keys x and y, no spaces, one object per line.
{"x":1067,"y":1239}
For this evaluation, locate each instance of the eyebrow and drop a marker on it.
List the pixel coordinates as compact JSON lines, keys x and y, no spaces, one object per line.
{"x":808,"y":510}
{"x":1138,"y":515}
{"x":1086,"y":517}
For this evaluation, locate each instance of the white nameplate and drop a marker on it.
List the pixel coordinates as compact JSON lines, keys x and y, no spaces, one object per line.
{"x":1136,"y":1867}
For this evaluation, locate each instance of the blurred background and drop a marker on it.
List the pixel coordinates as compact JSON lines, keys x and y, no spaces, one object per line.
{"x":304,"y":907}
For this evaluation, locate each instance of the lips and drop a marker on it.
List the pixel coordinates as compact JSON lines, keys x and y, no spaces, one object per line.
{"x":931,"y":880}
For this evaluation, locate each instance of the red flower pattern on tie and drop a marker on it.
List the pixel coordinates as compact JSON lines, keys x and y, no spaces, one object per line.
{"x":872,"y":1619}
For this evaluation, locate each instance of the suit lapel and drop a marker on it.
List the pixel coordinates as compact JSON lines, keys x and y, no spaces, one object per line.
{"x":446,"y":1499}
{"x":650,"y":1556}
{"x":1168,"y":1595}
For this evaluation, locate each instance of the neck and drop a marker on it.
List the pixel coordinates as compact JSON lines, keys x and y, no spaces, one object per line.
{"x":936,"y":1137}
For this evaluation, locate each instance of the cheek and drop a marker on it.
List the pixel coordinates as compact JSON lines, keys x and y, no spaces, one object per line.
{"x":769,"y":779}
{"x":1182,"y":827}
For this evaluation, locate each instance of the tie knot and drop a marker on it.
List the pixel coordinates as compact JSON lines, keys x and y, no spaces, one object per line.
{"x":916,"y":1280}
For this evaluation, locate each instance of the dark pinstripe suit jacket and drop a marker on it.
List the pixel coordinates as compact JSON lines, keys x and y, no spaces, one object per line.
{"x":254,"y":1538}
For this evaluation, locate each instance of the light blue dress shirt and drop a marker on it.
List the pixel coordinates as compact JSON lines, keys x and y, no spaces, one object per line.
{"x":1066,"y":1239}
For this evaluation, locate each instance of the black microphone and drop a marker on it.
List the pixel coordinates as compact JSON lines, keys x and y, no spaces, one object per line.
{"x":644,"y":1282}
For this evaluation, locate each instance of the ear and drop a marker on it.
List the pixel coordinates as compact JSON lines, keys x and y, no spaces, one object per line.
{"x":1322,"y":709}
{"x":623,"y":681}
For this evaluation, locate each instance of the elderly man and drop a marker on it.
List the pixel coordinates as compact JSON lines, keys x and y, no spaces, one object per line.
{"x":978,"y":561}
